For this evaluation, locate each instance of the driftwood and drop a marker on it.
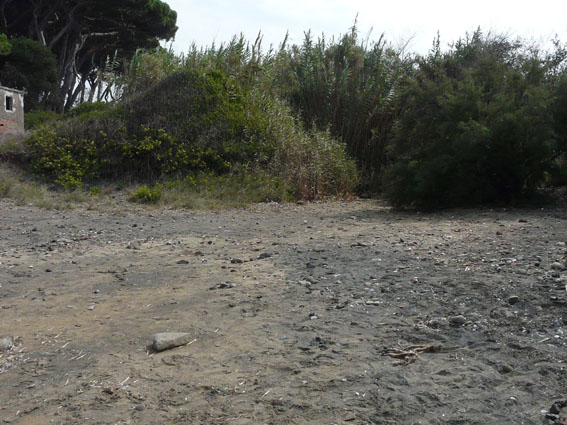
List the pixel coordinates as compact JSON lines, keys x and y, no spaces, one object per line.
{"x":411,"y":354}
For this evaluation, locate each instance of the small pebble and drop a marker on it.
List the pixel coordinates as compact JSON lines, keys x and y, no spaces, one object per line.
{"x":506,"y":368}
{"x":513,"y":300}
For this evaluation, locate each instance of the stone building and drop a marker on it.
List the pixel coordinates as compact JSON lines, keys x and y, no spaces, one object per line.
{"x":11,"y":111}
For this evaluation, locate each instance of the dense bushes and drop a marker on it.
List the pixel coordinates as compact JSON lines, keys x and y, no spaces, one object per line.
{"x":482,"y":122}
{"x":476,"y":127}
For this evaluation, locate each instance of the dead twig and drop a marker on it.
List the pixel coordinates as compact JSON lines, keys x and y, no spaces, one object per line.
{"x":410,"y":354}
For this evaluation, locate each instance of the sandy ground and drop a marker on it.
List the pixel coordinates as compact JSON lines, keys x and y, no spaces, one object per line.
{"x":325,"y":313}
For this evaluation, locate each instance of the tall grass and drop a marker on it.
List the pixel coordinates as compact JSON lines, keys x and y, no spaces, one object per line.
{"x":346,"y":87}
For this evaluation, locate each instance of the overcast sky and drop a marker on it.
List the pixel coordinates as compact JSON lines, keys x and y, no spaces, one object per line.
{"x":205,"y":21}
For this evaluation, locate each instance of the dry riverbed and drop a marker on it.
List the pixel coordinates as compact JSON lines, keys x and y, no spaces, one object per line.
{"x":324,"y":313}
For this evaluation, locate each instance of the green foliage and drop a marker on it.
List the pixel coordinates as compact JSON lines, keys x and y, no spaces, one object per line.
{"x":155,"y":153}
{"x":68,"y":162}
{"x":148,"y":68}
{"x":346,"y":86}
{"x":483,"y":122}
{"x":317,"y":165}
{"x":475,"y":129}
{"x":559,"y":113}
{"x":313,"y":162}
{"x":89,"y":109}
{"x":5,"y":46}
{"x":208,"y":190}
{"x":30,"y":66}
{"x":35,"y":119}
{"x":204,"y":109}
{"x":145,"y":195}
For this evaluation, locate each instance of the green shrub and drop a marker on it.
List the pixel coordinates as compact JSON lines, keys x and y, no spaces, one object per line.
{"x":68,"y":162}
{"x":204,"y":109}
{"x":476,"y":128}
{"x":35,"y":119}
{"x":145,"y":195}
{"x":155,"y":153}
{"x":89,"y":109}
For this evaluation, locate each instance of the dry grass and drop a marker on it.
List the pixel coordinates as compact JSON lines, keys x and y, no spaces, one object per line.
{"x":204,"y":192}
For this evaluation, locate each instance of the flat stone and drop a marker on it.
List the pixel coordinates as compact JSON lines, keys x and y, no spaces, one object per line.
{"x":6,"y":343}
{"x":166,"y":340}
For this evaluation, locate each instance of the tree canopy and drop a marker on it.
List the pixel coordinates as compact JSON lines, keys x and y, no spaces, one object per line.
{"x":84,"y":33}
{"x":30,"y":66}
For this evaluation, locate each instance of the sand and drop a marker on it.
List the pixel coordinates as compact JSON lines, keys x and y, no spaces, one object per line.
{"x":324,"y":313}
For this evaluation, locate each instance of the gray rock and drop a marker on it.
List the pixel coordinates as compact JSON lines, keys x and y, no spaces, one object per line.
{"x":457,"y":320}
{"x":557,"y":266}
{"x":506,"y":368}
{"x":6,"y":343}
{"x":166,"y":340}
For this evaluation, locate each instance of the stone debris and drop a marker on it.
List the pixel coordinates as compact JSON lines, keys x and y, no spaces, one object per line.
{"x":222,"y":285}
{"x":167,"y":340}
{"x":6,"y":343}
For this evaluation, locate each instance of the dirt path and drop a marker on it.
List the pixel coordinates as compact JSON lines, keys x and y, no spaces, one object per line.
{"x":325,"y":313}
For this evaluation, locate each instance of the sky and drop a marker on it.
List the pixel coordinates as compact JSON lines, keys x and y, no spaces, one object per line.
{"x":403,"y":21}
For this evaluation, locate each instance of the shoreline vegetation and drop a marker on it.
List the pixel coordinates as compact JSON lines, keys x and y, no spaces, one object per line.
{"x":479,"y":123}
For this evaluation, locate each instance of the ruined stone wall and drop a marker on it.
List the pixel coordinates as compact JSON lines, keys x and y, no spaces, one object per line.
{"x":11,"y":111}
